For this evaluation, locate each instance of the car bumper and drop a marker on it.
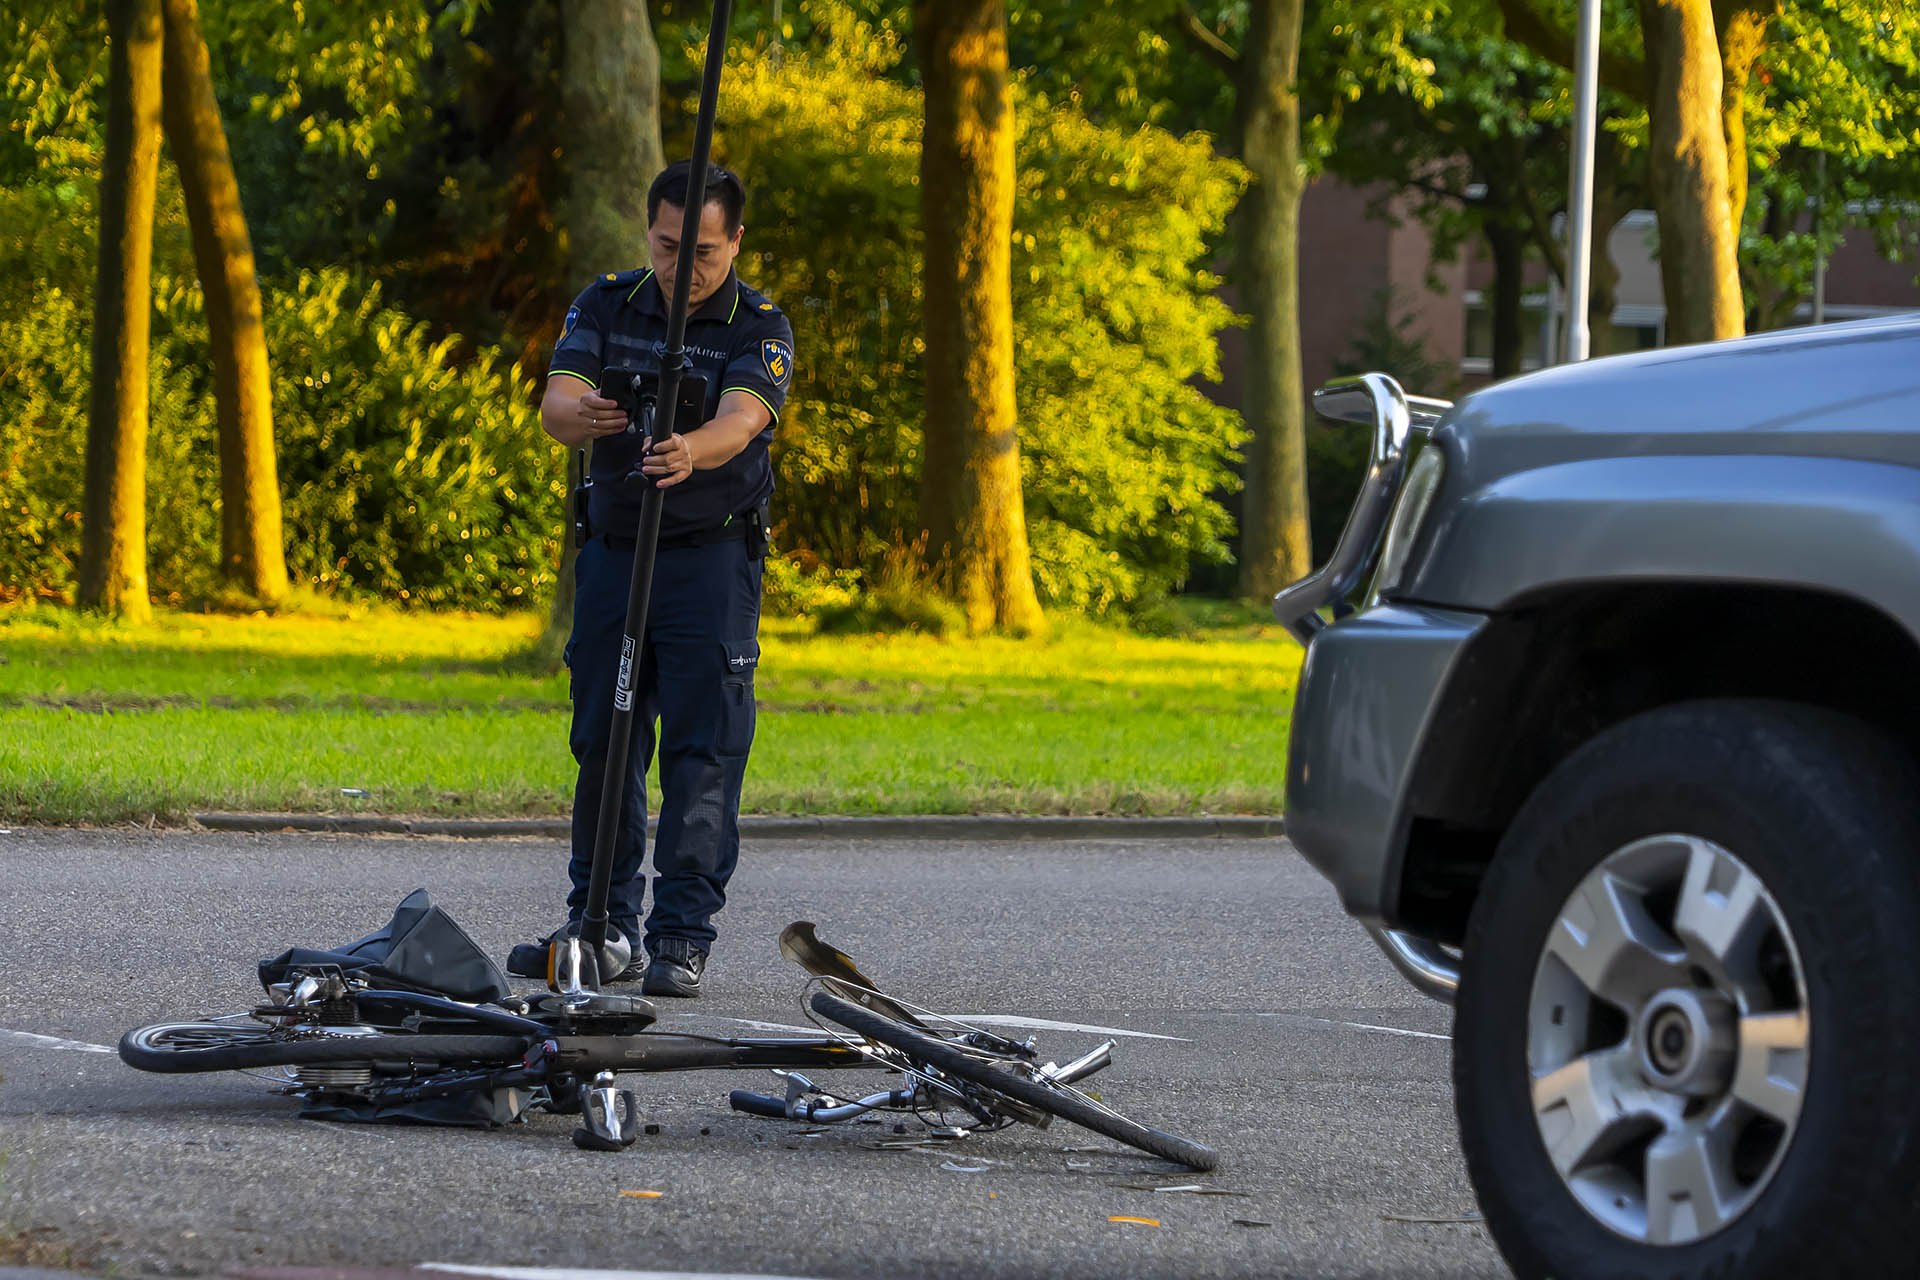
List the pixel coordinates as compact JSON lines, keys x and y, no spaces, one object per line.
{"x":1367,"y":691}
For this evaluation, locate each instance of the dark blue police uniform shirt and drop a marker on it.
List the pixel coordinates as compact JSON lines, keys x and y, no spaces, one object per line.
{"x":737,"y":340}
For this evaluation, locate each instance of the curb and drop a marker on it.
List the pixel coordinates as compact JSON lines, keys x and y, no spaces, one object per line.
{"x":903,"y":827}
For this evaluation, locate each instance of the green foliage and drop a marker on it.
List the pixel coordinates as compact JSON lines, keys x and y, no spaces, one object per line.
{"x":1124,"y":62}
{"x":789,"y":591}
{"x":1113,"y":323}
{"x":406,"y":475}
{"x":52,"y":62}
{"x":409,"y":474}
{"x":1834,"y":142}
{"x":346,"y":73}
{"x":46,"y":318}
{"x":403,"y":144}
{"x":895,"y":605}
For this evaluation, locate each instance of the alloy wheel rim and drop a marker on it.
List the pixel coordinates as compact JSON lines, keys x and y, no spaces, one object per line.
{"x":1668,"y":1034}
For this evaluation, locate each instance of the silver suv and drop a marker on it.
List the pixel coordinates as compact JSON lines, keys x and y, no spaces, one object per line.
{"x":1608,"y":732}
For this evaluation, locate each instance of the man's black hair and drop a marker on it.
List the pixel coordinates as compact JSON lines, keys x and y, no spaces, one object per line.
{"x":723,"y":188}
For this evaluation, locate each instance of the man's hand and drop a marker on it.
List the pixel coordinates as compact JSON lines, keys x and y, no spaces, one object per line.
{"x":578,"y":417}
{"x":669,"y":461}
{"x":599,"y":416}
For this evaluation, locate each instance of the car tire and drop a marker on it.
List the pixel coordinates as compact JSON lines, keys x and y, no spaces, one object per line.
{"x":1819,"y":810}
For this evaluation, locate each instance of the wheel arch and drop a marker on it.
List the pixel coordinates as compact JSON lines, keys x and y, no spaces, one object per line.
{"x":1589,"y":656}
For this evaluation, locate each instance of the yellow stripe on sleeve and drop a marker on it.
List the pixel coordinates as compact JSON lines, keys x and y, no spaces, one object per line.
{"x":757,"y":396}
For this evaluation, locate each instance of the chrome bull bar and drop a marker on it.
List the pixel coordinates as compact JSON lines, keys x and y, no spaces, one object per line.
{"x":1369,"y":399}
{"x":1375,"y":400}
{"x":1430,"y":967}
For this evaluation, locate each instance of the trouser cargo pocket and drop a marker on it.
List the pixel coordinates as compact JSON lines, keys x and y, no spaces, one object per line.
{"x":736,"y":701}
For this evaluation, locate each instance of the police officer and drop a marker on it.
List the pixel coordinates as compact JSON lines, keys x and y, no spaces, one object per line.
{"x":701,"y":645}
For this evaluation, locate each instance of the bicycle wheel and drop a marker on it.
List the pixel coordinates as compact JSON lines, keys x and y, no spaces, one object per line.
{"x":174,"y":1048}
{"x":1059,"y":1100}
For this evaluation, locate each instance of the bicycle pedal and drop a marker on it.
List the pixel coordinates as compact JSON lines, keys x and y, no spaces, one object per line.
{"x":612,"y":1121}
{"x":588,"y":1140}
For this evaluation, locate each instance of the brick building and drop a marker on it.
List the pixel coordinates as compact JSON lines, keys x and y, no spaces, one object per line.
{"x":1348,"y":257}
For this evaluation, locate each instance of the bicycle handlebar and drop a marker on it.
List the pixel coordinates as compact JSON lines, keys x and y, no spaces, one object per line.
{"x":765,"y":1104}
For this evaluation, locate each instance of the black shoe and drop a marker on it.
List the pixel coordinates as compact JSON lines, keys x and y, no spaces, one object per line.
{"x":635,"y":970}
{"x":675,"y":969}
{"x":529,"y":960}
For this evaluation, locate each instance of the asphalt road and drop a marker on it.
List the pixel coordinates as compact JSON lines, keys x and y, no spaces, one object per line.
{"x":1267,"y":1027}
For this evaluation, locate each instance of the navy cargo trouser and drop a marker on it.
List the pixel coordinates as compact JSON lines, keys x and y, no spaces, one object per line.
{"x":696,"y":679}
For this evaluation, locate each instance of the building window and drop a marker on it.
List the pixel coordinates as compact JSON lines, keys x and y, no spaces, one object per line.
{"x":1478,"y":355}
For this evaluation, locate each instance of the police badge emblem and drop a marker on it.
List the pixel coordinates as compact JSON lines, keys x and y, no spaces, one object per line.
{"x":778,"y":357}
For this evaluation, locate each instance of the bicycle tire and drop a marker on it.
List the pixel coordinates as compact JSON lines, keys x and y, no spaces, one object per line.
{"x":1062,"y":1101}
{"x":145,"y":1049}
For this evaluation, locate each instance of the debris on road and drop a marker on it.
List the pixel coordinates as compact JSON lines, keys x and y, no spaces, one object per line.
{"x":1145,"y":1222}
{"x":1425,"y":1220}
{"x":644,"y":1195}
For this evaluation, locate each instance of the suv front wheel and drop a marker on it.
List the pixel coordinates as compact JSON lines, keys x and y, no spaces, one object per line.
{"x":1689,"y":1012}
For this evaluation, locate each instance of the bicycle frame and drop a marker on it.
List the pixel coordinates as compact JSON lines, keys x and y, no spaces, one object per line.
{"x":653,"y":1051}
{"x":566,"y":1052}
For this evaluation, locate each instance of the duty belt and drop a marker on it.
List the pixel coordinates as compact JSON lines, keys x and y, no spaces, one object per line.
{"x":732,"y":531}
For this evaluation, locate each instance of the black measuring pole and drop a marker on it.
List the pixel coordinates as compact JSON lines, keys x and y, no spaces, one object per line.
{"x":673,"y":368}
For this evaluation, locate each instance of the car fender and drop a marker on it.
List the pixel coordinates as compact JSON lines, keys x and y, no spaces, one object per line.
{"x":1836,"y":525}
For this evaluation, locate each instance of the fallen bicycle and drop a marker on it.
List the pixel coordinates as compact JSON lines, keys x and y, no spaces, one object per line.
{"x":415,"y":1024}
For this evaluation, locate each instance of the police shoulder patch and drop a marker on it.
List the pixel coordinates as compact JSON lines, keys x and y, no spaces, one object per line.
{"x":618,"y":279}
{"x":778,"y":357}
{"x":766,"y":306}
{"x":573,"y":318}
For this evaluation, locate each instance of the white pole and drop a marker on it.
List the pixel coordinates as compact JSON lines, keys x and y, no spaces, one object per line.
{"x":1586,"y":93}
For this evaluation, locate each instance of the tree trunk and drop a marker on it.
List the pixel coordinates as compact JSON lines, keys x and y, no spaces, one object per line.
{"x":971,"y":507}
{"x":1507,"y":246}
{"x":113,"y":543}
{"x":1276,"y":547}
{"x":610,"y":96}
{"x":1613,"y":199}
{"x":1742,"y":32}
{"x":252,"y":553}
{"x":1687,"y":163}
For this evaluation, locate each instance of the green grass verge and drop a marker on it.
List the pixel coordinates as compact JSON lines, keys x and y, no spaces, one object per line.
{"x":429,"y":715}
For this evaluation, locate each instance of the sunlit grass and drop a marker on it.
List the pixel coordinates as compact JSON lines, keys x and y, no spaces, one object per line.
{"x":430,"y":714}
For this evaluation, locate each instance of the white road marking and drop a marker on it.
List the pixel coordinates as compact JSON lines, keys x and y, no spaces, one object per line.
{"x":52,"y":1042}
{"x":986,"y":1020}
{"x":1044,"y":1024}
{"x":1357,"y":1026}
{"x":575,"y":1273}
